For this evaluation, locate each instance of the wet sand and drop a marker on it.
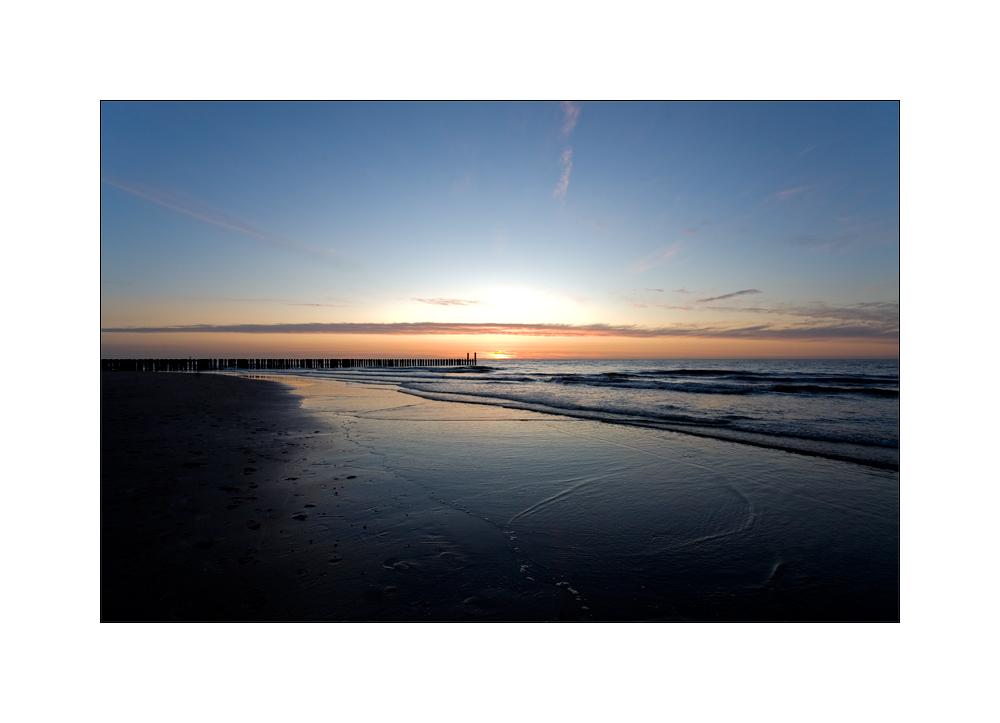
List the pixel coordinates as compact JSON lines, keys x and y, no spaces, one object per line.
{"x":221,"y":499}
{"x":240,"y":499}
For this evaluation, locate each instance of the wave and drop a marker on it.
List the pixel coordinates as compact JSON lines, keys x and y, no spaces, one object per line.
{"x":765,"y":385}
{"x":870,"y":455}
{"x":847,"y":410}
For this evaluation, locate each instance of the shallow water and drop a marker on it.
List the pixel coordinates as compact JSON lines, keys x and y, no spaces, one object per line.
{"x":839,"y":409}
{"x":524,"y":515}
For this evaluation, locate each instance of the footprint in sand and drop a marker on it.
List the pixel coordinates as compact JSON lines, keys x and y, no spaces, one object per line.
{"x":253,"y":524}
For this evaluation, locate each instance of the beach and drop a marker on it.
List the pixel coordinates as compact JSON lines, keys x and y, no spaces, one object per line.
{"x":289,"y":498}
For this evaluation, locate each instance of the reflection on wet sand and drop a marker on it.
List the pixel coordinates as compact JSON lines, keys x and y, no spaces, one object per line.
{"x":371,"y":506}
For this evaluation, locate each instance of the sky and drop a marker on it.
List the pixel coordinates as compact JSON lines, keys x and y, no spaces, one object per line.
{"x":541,"y":230}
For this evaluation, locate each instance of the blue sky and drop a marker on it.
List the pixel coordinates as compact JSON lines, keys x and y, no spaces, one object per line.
{"x":553,"y":229}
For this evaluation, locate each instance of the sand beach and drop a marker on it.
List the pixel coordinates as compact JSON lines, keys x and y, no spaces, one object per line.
{"x":228,"y":498}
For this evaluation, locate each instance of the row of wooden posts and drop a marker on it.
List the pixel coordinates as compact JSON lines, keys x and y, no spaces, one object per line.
{"x":210,"y":365}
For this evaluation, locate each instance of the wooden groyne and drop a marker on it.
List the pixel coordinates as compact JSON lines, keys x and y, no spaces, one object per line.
{"x":212,"y":365}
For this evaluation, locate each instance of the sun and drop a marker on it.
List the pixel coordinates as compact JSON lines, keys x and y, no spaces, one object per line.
{"x":501,"y":354}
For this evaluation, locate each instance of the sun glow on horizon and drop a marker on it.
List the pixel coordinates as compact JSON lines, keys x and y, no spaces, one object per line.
{"x":645,"y":252}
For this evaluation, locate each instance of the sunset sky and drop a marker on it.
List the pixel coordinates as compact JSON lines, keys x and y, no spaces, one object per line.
{"x":573,"y":229}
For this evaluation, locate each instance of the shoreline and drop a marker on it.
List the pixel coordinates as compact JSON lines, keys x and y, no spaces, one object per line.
{"x":369,"y":504}
{"x":608,"y":418}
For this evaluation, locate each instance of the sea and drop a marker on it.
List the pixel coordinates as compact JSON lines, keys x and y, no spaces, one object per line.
{"x":842,"y":409}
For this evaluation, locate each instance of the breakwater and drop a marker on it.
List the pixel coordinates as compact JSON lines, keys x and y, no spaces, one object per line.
{"x":211,"y":365}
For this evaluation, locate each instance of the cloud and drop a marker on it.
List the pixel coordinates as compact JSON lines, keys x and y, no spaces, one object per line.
{"x":885,"y":313}
{"x":853,"y":234}
{"x":655,"y":259}
{"x":729,"y":296}
{"x":682,"y":290}
{"x":804,"y":151}
{"x":566,"y":161}
{"x":571,"y":112}
{"x":658,"y":291}
{"x":782,"y":195}
{"x":802,"y":331}
{"x":196,"y":208}
{"x":453,"y":302}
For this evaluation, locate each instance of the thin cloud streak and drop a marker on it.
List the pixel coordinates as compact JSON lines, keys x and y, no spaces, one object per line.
{"x":879,"y":312}
{"x":427,"y":328}
{"x":655,"y":259}
{"x":453,"y":302}
{"x":782,"y":195}
{"x":196,"y":208}
{"x":729,"y":296}
{"x":884,"y":314}
{"x":567,"y":165}
{"x":571,"y":112}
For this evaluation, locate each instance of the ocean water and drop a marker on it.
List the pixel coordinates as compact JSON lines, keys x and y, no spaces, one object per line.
{"x":839,"y":409}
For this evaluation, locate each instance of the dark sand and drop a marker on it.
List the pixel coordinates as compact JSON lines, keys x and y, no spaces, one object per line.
{"x":221,"y":499}
{"x":225,"y":498}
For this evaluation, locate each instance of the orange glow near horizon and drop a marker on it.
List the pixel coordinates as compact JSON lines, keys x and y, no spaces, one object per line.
{"x":213,"y":345}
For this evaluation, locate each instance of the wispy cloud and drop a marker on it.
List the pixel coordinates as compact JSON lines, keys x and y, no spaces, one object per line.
{"x":881,"y":318}
{"x":453,"y":302}
{"x":804,"y":151}
{"x":196,"y":208}
{"x":566,"y":161}
{"x":789,"y":193}
{"x":571,"y":112}
{"x":854,"y":233}
{"x":885,"y":313}
{"x":656,"y":258}
{"x":760,"y":331}
{"x":682,"y":290}
{"x":729,"y":296}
